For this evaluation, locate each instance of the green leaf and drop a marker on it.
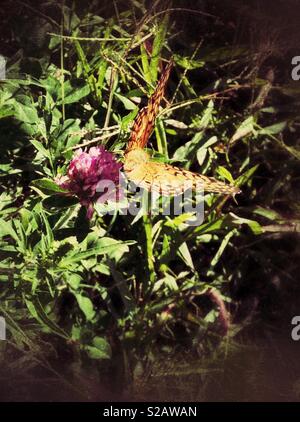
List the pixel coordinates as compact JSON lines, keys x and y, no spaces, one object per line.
{"x":185,"y":255}
{"x":74,"y":94}
{"x":6,"y":111}
{"x":127,"y":103}
{"x":74,"y":280}
{"x":40,"y":147}
{"x":115,"y":248}
{"x":99,"y":350}
{"x":188,"y":63}
{"x":158,"y":44}
{"x":210,"y":227}
{"x":207,"y":115}
{"x":267,"y":213}
{"x":187,"y":150}
{"x":126,"y":120}
{"x":7,"y":229}
{"x":86,"y":305}
{"x":145,"y":63}
{"x":253,"y":225}
{"x":273,"y":129}
{"x":211,"y":316}
{"x":202,"y":151}
{"x":37,"y":311}
{"x":47,"y":186}
{"x":99,"y":250}
{"x":223,"y":172}
{"x":245,"y":177}
{"x":49,"y":234}
{"x":30,"y":121}
{"x":170,"y":281}
{"x":222,"y":248}
{"x":245,"y":128}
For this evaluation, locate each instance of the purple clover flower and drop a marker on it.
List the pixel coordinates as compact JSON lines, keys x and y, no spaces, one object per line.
{"x":87,"y":172}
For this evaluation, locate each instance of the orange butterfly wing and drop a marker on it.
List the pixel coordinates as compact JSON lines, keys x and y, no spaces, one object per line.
{"x":144,"y":122}
{"x":170,"y":180}
{"x":162,"y":178}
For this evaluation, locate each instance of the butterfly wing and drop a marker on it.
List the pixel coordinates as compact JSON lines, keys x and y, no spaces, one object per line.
{"x":144,"y":122}
{"x":169,"y":180}
{"x":162,"y":178}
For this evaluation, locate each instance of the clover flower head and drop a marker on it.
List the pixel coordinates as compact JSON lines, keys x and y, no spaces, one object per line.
{"x":88,"y":172}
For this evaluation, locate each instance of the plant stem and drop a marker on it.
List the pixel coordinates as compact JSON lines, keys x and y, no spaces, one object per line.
{"x":161,"y":139}
{"x":62,"y":76}
{"x":110,"y":99}
{"x":149,"y":251}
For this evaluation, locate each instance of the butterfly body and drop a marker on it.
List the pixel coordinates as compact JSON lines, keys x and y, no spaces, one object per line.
{"x":159,"y":177}
{"x":136,"y":161}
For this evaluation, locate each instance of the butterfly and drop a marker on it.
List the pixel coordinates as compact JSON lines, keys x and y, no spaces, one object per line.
{"x":164,"y":179}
